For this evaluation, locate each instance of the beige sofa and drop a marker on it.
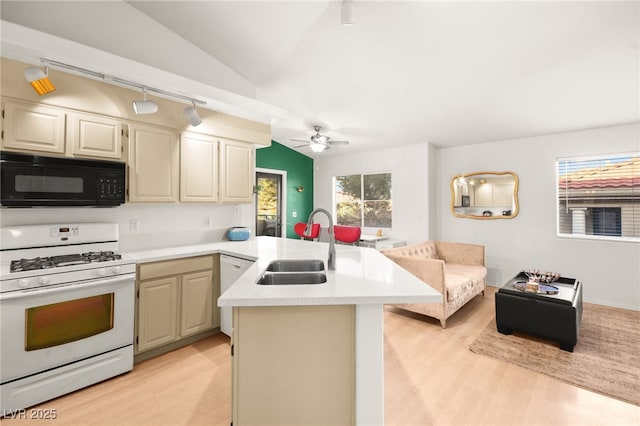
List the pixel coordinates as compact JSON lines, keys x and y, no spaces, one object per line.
{"x":456,"y":270}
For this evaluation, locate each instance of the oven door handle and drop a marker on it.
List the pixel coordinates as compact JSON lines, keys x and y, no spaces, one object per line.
{"x":59,"y":288}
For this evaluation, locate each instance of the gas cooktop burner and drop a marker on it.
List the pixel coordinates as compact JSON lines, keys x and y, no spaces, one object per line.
{"x":62,"y":260}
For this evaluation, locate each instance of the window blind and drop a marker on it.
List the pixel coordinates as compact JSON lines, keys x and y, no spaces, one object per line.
{"x":599,"y":196}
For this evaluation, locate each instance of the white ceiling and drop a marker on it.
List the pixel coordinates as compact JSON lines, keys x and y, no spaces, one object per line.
{"x":447,"y":73}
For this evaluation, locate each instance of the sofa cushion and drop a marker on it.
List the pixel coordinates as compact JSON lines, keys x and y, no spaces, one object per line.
{"x":424,"y":250}
{"x":463,"y":280}
{"x":430,"y":250}
{"x":427,"y":249}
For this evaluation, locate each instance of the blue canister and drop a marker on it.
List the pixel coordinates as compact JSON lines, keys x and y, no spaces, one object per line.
{"x":238,"y":233}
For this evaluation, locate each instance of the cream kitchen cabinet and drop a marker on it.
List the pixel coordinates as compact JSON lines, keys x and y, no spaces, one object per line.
{"x":30,"y":127}
{"x":153,"y":160}
{"x":157,"y":313}
{"x":176,"y":300}
{"x":484,"y":196}
{"x":45,"y":129}
{"x":503,"y":195}
{"x":236,"y":171}
{"x":293,"y":365}
{"x":93,"y":135}
{"x":215,"y":169}
{"x":489,"y":195}
{"x":196,"y":302}
{"x":198,"y":168}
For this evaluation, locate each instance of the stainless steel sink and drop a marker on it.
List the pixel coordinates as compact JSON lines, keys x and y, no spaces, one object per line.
{"x":292,"y":278}
{"x":296,"y":265}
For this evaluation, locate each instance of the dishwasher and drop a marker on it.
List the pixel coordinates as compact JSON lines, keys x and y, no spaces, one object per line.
{"x":231,"y":267}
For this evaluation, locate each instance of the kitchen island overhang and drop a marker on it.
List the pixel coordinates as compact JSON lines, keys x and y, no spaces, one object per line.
{"x":364,"y":279}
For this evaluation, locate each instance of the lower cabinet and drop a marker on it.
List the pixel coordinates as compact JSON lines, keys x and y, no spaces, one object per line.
{"x":196,"y":302}
{"x":176,"y":300}
{"x":157,"y":313}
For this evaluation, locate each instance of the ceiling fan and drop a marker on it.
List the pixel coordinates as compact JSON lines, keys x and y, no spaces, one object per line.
{"x":318,"y":142}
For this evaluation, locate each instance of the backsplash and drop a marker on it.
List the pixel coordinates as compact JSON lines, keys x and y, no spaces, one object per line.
{"x":154,"y":225}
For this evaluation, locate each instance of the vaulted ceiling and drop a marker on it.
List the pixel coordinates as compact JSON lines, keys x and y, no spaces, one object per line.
{"x":447,"y":73}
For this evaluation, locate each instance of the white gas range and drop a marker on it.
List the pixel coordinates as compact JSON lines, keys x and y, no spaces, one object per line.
{"x":66,"y":310}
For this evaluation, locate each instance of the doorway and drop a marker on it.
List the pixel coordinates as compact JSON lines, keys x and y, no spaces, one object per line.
{"x":270,"y":202}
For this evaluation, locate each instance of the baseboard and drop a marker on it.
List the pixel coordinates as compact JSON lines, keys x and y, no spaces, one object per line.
{"x":152,"y":353}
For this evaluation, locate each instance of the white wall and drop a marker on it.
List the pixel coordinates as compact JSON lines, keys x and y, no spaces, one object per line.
{"x":410,"y":182}
{"x":161,"y":225}
{"x":609,"y":270}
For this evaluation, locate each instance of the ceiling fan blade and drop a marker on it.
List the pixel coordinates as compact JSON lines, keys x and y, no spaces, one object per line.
{"x":299,"y":140}
{"x":338,"y":142}
{"x":300,"y":146}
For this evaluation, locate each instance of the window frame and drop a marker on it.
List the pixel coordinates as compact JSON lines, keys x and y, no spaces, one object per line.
{"x":334,"y":209}
{"x":596,"y":157}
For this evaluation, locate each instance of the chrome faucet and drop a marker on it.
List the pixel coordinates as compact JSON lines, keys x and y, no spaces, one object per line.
{"x":331,"y":261}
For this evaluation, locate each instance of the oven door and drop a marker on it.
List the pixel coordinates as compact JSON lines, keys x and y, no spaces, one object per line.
{"x":50,"y":327}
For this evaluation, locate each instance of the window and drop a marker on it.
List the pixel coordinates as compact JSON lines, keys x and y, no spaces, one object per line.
{"x":599,"y":197}
{"x":363,"y":200}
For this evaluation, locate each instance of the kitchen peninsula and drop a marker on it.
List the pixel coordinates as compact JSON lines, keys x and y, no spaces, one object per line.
{"x":309,"y":354}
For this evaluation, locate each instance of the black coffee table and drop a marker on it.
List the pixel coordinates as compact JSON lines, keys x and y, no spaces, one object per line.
{"x":551,"y":316}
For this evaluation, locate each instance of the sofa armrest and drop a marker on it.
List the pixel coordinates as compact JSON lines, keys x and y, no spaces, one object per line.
{"x":431,"y":271}
{"x":461,"y":253}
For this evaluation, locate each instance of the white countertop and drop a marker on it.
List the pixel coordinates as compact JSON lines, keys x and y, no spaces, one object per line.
{"x":362,"y":275}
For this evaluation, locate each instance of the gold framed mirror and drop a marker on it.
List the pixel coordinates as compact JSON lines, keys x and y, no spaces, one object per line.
{"x":485,"y":195}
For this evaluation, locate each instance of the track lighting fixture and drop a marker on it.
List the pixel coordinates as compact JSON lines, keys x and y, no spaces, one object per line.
{"x":346,"y":12}
{"x":42,"y":85}
{"x":39,"y":80}
{"x":144,"y":106}
{"x":191,"y":115}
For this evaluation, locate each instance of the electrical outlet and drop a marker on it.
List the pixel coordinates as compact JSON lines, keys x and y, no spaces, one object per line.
{"x":236,"y":209}
{"x":294,"y":214}
{"x":207,"y":222}
{"x":134,"y":225}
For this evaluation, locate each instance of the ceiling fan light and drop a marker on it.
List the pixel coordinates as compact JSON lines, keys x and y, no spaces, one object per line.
{"x":317,"y":147}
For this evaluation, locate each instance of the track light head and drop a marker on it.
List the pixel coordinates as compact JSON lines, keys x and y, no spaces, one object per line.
{"x":144,"y":106}
{"x":39,"y":80}
{"x":346,"y":12}
{"x":191,"y":115}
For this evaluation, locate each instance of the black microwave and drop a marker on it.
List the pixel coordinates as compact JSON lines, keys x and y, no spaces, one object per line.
{"x":38,"y":181}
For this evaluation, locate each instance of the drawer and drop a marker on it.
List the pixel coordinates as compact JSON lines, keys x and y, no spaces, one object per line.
{"x":174,"y":267}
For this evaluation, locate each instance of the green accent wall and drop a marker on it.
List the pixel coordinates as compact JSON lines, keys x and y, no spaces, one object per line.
{"x":299,"y":170}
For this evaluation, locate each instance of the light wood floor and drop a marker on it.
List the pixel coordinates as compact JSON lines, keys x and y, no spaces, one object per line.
{"x":431,"y":378}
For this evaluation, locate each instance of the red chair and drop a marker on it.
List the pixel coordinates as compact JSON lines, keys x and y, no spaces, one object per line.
{"x":300,"y":228}
{"x":347,"y":234}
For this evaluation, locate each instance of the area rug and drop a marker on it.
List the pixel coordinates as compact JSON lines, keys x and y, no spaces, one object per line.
{"x":606,"y":358}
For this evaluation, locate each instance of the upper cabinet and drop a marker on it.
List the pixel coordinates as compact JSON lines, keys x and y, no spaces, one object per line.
{"x":28,"y":127}
{"x":163,"y":166}
{"x":95,"y":136}
{"x":236,"y":171}
{"x":153,"y":159}
{"x":40,"y":128}
{"x":198,"y":168}
{"x":215,"y":169}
